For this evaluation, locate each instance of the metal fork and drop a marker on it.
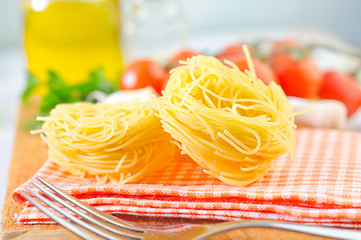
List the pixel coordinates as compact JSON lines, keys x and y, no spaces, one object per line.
{"x":90,"y":223}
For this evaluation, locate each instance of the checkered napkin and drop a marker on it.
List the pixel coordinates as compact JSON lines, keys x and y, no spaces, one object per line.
{"x":321,"y":185}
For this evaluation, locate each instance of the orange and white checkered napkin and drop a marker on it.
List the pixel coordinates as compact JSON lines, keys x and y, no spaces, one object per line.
{"x":321,"y":185}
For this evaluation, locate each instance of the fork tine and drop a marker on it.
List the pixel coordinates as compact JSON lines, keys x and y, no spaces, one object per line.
{"x":87,"y":208}
{"x":82,"y":214}
{"x":71,"y":227}
{"x":80,"y":222}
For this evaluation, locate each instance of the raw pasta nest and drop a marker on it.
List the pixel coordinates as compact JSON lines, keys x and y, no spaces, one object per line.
{"x":121,"y":142}
{"x":226,"y":120}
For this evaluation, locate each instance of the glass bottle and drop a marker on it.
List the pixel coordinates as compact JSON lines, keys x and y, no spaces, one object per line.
{"x":153,"y":28}
{"x":72,"y":38}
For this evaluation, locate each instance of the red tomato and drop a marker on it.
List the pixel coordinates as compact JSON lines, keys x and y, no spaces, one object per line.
{"x":280,"y":61}
{"x":299,"y":78}
{"x":142,"y":73}
{"x":342,"y":87}
{"x":289,"y":42}
{"x":263,"y":71}
{"x":182,"y":55}
{"x":232,"y":49}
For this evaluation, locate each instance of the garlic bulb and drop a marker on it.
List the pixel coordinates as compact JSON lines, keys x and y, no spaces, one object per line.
{"x":319,"y":113}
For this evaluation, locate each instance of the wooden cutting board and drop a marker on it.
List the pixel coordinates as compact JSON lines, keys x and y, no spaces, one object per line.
{"x":29,"y":153}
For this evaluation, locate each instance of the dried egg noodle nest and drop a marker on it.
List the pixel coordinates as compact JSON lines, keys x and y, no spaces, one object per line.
{"x":121,"y":142}
{"x":226,"y":120}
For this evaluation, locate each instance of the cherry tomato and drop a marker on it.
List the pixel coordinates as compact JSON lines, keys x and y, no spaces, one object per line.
{"x":299,"y":78}
{"x":342,"y":87}
{"x":232,"y":49}
{"x":142,"y":73}
{"x":182,"y":55}
{"x":280,"y":61}
{"x":263,"y":71}
{"x":288,"y":42}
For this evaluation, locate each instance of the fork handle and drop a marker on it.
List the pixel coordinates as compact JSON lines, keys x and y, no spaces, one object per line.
{"x":309,"y":229}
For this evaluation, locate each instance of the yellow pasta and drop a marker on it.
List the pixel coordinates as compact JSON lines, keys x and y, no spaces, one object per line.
{"x":226,"y":120}
{"x":119,"y":142}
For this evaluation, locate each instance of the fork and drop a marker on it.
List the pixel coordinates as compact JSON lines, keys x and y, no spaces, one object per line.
{"x":89,"y":223}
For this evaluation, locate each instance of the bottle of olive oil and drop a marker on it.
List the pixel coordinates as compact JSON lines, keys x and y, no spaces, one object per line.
{"x":72,"y":38}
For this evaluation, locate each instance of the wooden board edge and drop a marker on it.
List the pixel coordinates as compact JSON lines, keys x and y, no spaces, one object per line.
{"x":39,"y":234}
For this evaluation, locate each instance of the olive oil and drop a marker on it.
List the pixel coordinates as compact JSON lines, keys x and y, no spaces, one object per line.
{"x":72,"y":38}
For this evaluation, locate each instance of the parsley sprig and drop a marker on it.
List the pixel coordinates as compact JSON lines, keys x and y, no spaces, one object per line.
{"x":60,"y":92}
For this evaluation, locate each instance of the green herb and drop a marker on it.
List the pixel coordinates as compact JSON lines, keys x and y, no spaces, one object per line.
{"x":59,"y":92}
{"x":31,"y":84}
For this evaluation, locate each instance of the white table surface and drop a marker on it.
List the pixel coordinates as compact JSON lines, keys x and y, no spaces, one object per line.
{"x":12,"y":81}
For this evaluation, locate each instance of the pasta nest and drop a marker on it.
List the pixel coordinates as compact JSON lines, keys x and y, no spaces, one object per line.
{"x":121,"y":142}
{"x":226,"y":120}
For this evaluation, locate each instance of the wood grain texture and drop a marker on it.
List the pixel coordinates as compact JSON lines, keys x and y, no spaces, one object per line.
{"x":29,"y":153}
